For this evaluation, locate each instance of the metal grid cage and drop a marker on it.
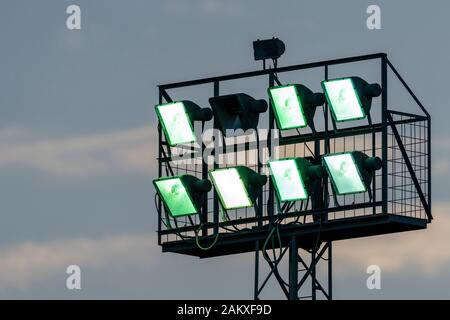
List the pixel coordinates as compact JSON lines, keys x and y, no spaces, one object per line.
{"x":403,"y":198}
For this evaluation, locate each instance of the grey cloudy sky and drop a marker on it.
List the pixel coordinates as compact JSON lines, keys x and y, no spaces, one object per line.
{"x":77,"y":143}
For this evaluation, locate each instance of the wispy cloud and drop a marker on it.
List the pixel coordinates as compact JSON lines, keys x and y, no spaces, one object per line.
{"x":424,"y":251}
{"x":441,"y":159}
{"x":129,"y":151}
{"x":21,"y":266}
{"x":441,"y":167}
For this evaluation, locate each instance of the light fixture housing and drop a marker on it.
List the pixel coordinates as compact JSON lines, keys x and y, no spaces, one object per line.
{"x":293,"y":178}
{"x":182,"y":195}
{"x":350,"y":98}
{"x":350,"y":172}
{"x":177,"y":120}
{"x":237,"y":111}
{"x":294,"y":105}
{"x":268,"y":49}
{"x":237,"y":187}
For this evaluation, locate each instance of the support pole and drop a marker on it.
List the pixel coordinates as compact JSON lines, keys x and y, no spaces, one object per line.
{"x":330,"y":270}
{"x":215,"y":165}
{"x":256,"y":288}
{"x":313,"y":274}
{"x":270,"y":148}
{"x":384,"y":134}
{"x":293,"y":270}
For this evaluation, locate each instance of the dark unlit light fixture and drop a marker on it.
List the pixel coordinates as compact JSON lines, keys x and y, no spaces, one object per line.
{"x":268,"y":49}
{"x":237,"y":111}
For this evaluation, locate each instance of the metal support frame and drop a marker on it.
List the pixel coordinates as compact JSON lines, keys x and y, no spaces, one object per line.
{"x":298,"y":268}
{"x":265,"y":219}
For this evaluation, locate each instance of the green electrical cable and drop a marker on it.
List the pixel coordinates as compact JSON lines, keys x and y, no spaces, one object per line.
{"x":198,"y":243}
{"x":269,"y":237}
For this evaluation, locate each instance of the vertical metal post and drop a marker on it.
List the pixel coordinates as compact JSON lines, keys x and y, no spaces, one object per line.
{"x":327,"y":140}
{"x":159,"y":170}
{"x":330,"y":270}
{"x":271,"y":195}
{"x":215,"y":165}
{"x":319,"y":197}
{"x":204,"y":216}
{"x":293,"y":269}
{"x":325,"y":203}
{"x":429,"y":161}
{"x":256,"y":288}
{"x":374,"y":181}
{"x":313,"y":274}
{"x":384,"y":134}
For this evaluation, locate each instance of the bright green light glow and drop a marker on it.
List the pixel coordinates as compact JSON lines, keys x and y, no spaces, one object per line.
{"x":343,"y":100}
{"x":175,"y":197}
{"x":230,"y":188}
{"x":288,"y":180}
{"x":288,"y":108}
{"x":176,"y":123}
{"x":344,"y":173}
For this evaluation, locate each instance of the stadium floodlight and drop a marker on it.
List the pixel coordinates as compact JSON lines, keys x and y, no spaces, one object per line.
{"x":237,"y":187}
{"x":294,"y":106}
{"x":177,"y":120}
{"x":182,"y":195}
{"x":293,"y":177}
{"x":237,"y":111}
{"x":350,"y":98}
{"x":351,"y":172}
{"x":268,"y":49}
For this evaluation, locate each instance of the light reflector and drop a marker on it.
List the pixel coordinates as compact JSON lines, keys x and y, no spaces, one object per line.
{"x":230,"y":188}
{"x":343,"y":99}
{"x":237,"y":111}
{"x":288,"y":180}
{"x":344,"y":172}
{"x":175,"y":196}
{"x":288,"y":107}
{"x":176,"y":124}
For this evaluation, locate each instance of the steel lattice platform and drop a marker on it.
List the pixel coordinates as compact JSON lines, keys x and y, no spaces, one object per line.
{"x":338,"y":229}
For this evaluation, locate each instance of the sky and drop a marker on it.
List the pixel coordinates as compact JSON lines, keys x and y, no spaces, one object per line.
{"x":78,"y":143}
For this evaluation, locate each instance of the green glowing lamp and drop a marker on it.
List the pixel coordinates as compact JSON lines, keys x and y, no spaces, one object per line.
{"x":294,"y":106}
{"x":237,"y":187}
{"x":182,"y":195}
{"x":293,"y":177}
{"x":177,"y":120}
{"x":350,"y":98}
{"x":351,"y":172}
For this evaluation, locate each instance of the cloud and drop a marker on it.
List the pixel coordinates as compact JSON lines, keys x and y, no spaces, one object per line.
{"x":129,"y":151}
{"x":423,"y":251}
{"x":25,"y":264}
{"x":441,"y":167}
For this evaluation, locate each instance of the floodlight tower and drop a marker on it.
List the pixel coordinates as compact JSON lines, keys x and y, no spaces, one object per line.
{"x":366,"y":174}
